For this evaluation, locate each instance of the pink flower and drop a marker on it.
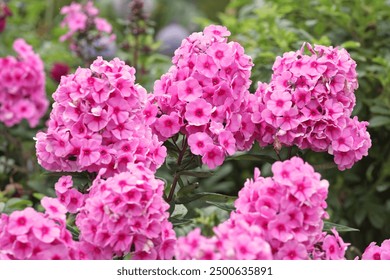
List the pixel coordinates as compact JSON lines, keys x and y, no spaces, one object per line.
{"x":293,"y":250}
{"x":213,"y":156}
{"x":89,"y":152}
{"x":54,"y":208}
{"x":207,"y":88}
{"x":206,"y":66}
{"x":102,"y":25}
{"x":223,"y":54}
{"x":127,"y":214}
{"x":288,"y":120}
{"x":96,"y":112}
{"x":309,"y":102}
{"x":168,"y":125}
{"x":227,"y":141}
{"x":189,"y":90}
{"x":20,"y":222}
{"x":22,"y":86}
{"x":334,"y":246}
{"x":63,"y":184}
{"x":198,"y":143}
{"x":45,"y":231}
{"x":198,"y":112}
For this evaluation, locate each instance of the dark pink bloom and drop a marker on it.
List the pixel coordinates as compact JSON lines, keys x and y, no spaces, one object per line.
{"x":58,"y":70}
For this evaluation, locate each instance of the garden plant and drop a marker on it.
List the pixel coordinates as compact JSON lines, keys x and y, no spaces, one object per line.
{"x":210,"y":159}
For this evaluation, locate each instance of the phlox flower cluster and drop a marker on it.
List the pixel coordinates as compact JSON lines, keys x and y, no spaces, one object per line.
{"x":205,"y":96}
{"x":22,"y":86}
{"x":97,"y":121}
{"x":68,"y":196}
{"x":276,"y":218}
{"x":126,"y":214}
{"x":308,"y":103}
{"x":375,"y":252}
{"x":89,"y":35}
{"x":32,"y":235}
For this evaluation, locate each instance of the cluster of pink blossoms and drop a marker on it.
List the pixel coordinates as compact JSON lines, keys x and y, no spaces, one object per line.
{"x":375,"y":252}
{"x":97,"y":121}
{"x":276,"y":218}
{"x":68,"y":196}
{"x":90,"y":36}
{"x":205,"y":96}
{"x":126,"y":214}
{"x":22,"y":86}
{"x":309,"y":102}
{"x":31,"y":235}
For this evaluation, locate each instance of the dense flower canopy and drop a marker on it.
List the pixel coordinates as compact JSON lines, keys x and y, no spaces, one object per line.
{"x":97,"y":122}
{"x":126,"y":214}
{"x":309,"y":103}
{"x":275,"y":218}
{"x":22,"y":86}
{"x":205,"y":96}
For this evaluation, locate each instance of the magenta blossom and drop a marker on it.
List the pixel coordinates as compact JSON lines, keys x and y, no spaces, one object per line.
{"x":275,"y":218}
{"x":309,"y":102}
{"x":97,"y":122}
{"x":22,"y":86}
{"x":206,"y":91}
{"x":126,"y":214}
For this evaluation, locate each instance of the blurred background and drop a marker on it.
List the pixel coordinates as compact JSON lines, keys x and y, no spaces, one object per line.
{"x":148,"y":32}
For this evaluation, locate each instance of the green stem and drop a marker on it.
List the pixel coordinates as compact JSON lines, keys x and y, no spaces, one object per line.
{"x":177,"y":174}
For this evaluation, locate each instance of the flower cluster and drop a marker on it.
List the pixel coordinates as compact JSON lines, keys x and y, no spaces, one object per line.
{"x":126,"y":214}
{"x":90,"y":36}
{"x":97,"y":122}
{"x":309,"y":102}
{"x":234,"y":239}
{"x":375,"y":252}
{"x":28,"y":234}
{"x":278,"y":218}
{"x":69,"y":197}
{"x":22,"y":86}
{"x":205,"y":96}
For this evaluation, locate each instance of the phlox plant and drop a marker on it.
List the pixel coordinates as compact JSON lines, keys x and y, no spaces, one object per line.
{"x":88,"y":34}
{"x":199,"y":114}
{"x":22,"y":86}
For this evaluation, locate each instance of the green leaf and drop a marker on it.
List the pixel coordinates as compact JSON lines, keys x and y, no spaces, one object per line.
{"x":187,"y":190}
{"x":340,"y":228}
{"x":176,"y":221}
{"x":380,"y":110}
{"x":205,"y":197}
{"x":16,"y":204}
{"x":2,"y":206}
{"x":383,"y":187}
{"x":360,"y":215}
{"x":376,"y":217}
{"x":224,"y":206}
{"x":74,"y":231}
{"x":350,"y":45}
{"x":253,"y":157}
{"x":38,"y":196}
{"x":197,"y":174}
{"x":378,"y":121}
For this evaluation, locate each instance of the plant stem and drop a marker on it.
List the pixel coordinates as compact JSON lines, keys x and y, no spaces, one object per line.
{"x":177,"y":175}
{"x":278,"y":155}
